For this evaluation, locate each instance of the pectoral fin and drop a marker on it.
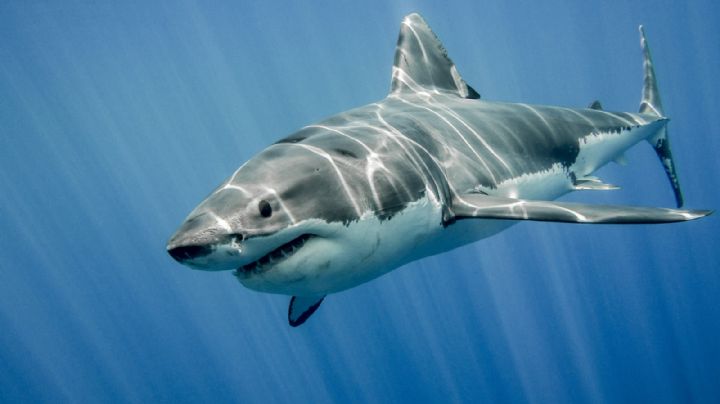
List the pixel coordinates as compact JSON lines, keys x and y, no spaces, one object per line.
{"x":301,"y":308}
{"x":491,"y":207}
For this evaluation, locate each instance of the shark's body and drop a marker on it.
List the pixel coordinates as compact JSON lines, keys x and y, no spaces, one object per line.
{"x":348,"y":199}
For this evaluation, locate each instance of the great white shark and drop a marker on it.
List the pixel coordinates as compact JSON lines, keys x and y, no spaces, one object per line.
{"x":427,"y":169}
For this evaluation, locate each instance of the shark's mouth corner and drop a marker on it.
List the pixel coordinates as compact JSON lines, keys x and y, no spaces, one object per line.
{"x":275,"y":256}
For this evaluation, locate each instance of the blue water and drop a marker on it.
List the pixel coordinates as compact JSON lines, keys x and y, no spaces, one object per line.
{"x":116,"y":118}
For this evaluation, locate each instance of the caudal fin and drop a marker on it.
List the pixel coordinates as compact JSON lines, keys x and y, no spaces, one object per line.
{"x":652,"y":105}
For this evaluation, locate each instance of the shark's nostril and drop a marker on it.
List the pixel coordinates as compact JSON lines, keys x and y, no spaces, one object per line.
{"x":189,"y":252}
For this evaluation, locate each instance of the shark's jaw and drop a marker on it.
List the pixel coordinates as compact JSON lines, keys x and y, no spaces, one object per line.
{"x":274,"y":257}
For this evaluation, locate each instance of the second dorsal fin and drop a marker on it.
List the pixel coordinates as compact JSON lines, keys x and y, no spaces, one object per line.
{"x":595,"y":105}
{"x":422,"y":64}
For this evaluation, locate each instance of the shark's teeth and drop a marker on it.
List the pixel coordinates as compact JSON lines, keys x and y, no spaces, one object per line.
{"x":276,"y":255}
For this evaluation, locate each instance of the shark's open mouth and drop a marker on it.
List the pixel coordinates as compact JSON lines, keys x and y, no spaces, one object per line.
{"x":276,"y":255}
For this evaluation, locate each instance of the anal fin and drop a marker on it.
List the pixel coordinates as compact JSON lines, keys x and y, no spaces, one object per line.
{"x":593,"y":184}
{"x":301,"y":308}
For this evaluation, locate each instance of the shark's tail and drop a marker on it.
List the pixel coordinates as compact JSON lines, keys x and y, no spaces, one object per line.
{"x":651,"y":105}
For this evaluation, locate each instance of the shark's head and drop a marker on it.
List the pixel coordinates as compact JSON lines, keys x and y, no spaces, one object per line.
{"x":285,"y":221}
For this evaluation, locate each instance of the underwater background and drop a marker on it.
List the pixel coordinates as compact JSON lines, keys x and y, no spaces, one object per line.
{"x":117,"y":118}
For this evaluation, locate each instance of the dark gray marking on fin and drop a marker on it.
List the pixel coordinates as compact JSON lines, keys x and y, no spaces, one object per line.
{"x":472,"y":94}
{"x":661,"y":145}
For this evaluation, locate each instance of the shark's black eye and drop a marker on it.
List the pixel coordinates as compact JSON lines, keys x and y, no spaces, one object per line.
{"x":265,"y":208}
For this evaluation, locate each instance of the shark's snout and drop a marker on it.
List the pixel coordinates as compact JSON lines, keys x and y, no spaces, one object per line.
{"x":187,"y":253}
{"x":221,"y":253}
{"x":202,"y":242}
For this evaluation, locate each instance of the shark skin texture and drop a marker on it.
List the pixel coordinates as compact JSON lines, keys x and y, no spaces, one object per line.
{"x":427,"y":169}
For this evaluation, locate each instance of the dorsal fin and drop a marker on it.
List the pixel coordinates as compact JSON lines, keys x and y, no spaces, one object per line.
{"x":422,"y":64}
